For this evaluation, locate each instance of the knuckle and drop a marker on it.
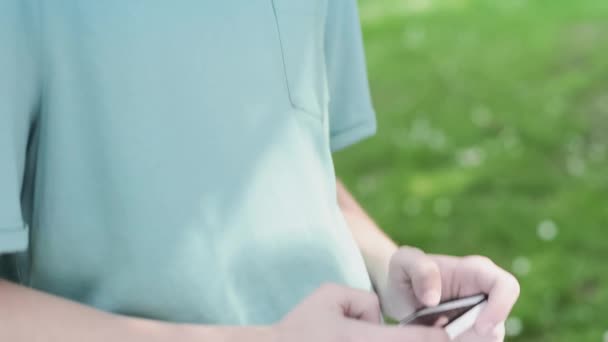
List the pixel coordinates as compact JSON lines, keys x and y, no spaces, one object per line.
{"x":427,"y":280}
{"x":480,"y":260}
{"x":514,"y":284}
{"x":409,"y":256}
{"x":408,"y":253}
{"x":427,"y":268}
{"x":412,"y":251}
{"x":396,"y":263}
{"x":374,"y":301}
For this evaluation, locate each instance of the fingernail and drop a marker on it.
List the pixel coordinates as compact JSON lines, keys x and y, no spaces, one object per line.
{"x":431,"y":297}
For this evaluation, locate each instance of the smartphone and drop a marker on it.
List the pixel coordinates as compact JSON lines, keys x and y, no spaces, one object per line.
{"x":455,"y":316}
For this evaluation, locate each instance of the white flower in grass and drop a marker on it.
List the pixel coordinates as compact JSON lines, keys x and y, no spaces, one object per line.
{"x":547,"y":230}
{"x":514,"y":326}
{"x":576,"y":144}
{"x":606,"y":336}
{"x":421,"y":130}
{"x":598,"y":152}
{"x":576,"y":166}
{"x":602,"y":103}
{"x":368,"y":184}
{"x":471,"y":157}
{"x":521,"y":266}
{"x":481,"y":116}
{"x":510,"y":138}
{"x":437,"y":140}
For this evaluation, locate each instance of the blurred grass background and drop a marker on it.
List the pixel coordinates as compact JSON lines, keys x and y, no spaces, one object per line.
{"x":493,"y":123}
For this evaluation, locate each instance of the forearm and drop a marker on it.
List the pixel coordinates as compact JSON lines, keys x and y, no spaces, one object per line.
{"x":30,"y":316}
{"x":377,"y":248}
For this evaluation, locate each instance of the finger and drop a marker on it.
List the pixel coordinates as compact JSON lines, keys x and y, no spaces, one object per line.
{"x":367,"y":332}
{"x":499,"y":333}
{"x":422,"y":271}
{"x":502,"y":296}
{"x":352,"y":303}
{"x":502,"y":289}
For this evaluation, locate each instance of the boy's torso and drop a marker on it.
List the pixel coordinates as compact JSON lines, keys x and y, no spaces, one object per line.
{"x":179,"y":166}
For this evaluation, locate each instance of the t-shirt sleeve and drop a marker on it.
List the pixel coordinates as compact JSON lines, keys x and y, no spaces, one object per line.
{"x":17,"y":112}
{"x":351,"y":114}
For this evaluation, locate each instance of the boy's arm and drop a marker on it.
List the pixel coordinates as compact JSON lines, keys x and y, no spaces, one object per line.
{"x":377,"y":248}
{"x":406,"y":278}
{"x":27,"y":315}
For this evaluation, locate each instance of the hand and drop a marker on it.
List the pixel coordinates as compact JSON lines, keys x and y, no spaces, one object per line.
{"x":340,"y":314}
{"x":416,"y":279}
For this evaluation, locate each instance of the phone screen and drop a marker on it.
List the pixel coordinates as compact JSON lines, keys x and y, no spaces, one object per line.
{"x":440,"y":319}
{"x":445,"y":313}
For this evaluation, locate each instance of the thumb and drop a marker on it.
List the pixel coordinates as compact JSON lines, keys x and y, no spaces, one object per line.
{"x":413,"y":265}
{"x":351,"y":303}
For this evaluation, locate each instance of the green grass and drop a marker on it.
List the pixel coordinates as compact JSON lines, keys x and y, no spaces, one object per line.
{"x":493,"y":118}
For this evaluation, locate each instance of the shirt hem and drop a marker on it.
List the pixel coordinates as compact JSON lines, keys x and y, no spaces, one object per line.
{"x":14,"y":239}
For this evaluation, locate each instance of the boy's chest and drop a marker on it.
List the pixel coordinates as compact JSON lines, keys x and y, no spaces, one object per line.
{"x":217,"y":52}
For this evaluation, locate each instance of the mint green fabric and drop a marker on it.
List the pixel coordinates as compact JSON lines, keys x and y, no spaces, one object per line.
{"x":172,"y":159}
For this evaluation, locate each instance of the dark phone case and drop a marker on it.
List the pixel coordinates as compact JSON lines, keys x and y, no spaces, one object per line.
{"x":430,"y":316}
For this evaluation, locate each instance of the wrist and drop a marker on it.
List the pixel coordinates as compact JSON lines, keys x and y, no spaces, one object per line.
{"x":378,"y":265}
{"x":197,"y":333}
{"x":253,"y":334}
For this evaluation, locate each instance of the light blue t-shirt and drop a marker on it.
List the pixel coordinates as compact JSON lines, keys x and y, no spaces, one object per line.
{"x":172,"y":159}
